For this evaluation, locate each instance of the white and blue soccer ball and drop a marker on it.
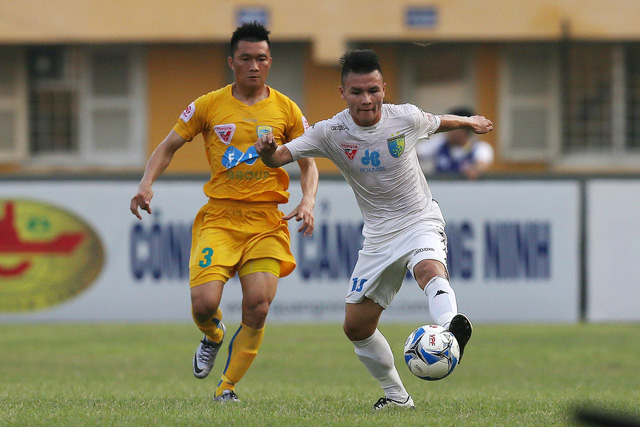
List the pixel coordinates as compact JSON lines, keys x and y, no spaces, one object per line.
{"x":431,"y":352}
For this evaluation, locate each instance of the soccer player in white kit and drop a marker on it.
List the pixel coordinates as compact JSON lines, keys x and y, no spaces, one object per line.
{"x":373,"y":144}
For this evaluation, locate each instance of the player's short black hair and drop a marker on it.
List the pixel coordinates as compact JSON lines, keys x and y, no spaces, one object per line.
{"x":250,"y":32}
{"x":362,"y":61}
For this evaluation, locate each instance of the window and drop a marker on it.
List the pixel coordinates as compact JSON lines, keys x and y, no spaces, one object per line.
{"x":13,"y":106}
{"x":529,"y":108}
{"x":438,"y":77}
{"x":576,"y":104}
{"x":86,"y":106}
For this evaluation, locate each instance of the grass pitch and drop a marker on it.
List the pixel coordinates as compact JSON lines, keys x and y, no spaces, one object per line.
{"x":133,"y":374}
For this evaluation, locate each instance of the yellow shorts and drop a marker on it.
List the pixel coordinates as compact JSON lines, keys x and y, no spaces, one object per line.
{"x":228,"y":234}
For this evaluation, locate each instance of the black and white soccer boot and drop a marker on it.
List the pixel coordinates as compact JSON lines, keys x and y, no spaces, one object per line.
{"x":461,"y":328}
{"x":227,"y":396}
{"x":205,"y":355}
{"x":386,"y":403}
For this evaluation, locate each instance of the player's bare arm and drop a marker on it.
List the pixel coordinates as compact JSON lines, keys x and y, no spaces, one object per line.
{"x":158,"y":162}
{"x":477,"y":124}
{"x":309,"y":183}
{"x":272,"y":154}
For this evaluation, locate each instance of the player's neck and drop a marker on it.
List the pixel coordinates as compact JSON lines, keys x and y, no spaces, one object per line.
{"x":249,"y":96}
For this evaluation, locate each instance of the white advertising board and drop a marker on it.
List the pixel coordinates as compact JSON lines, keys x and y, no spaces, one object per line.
{"x":613,"y":218}
{"x":513,"y":252}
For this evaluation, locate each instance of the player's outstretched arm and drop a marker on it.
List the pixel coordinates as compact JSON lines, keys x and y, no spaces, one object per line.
{"x":309,"y":183}
{"x":477,"y":124}
{"x":272,"y":154}
{"x":158,"y":162}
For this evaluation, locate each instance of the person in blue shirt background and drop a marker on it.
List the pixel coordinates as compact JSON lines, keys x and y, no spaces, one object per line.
{"x":458,"y":152}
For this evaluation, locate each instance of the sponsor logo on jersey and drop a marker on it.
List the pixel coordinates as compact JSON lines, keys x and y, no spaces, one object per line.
{"x":371,"y":159}
{"x":423,"y":250}
{"x":232,"y":157}
{"x":339,"y":127}
{"x":188,"y":112}
{"x":225,"y":132}
{"x":350,"y":150}
{"x":305,"y":123}
{"x":263,"y":130}
{"x":396,"y":145}
{"x":247,"y":175}
{"x":47,"y":255}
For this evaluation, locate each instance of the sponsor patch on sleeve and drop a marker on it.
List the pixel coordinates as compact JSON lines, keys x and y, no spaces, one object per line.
{"x":305,"y":123}
{"x":188,"y":112}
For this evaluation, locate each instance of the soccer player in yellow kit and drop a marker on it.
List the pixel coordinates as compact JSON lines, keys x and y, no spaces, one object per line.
{"x":240,"y":230}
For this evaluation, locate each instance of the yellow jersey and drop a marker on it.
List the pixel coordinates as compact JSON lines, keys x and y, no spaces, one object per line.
{"x":230,"y":128}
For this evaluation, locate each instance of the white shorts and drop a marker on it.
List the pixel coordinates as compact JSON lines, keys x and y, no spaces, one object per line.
{"x":381,"y":268}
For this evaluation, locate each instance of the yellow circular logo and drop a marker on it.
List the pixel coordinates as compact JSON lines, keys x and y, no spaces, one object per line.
{"x":47,"y":255}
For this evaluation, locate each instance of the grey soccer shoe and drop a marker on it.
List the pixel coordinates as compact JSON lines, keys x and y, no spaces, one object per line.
{"x":386,"y":403}
{"x":227,"y":396}
{"x":461,"y":328}
{"x":205,"y":355}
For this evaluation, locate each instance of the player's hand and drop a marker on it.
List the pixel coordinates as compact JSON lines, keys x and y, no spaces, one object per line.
{"x":303,"y":212}
{"x":142,"y":200}
{"x":266,"y":145}
{"x":480,"y":124}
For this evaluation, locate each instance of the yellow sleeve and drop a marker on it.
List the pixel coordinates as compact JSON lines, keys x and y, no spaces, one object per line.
{"x":192,"y":121}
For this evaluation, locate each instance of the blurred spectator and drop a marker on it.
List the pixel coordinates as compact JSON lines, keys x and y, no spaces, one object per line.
{"x":456,"y":152}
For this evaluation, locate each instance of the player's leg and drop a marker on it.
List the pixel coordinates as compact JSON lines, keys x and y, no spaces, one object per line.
{"x":373,"y":350}
{"x":259,"y":281}
{"x":432,"y":277}
{"x":205,"y":303}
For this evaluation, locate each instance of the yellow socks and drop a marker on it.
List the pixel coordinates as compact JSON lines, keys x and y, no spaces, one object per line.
{"x":210,"y":327}
{"x":242,"y":350}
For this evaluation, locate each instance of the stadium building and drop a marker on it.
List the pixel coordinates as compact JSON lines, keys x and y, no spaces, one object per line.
{"x":93,"y":87}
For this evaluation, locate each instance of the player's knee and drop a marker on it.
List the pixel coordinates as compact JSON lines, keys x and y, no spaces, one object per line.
{"x":203,"y":309}
{"x":356,"y":332}
{"x":426,"y":270}
{"x":257,"y":309}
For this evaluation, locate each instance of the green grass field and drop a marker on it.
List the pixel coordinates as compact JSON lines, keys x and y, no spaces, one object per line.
{"x":137,"y":375}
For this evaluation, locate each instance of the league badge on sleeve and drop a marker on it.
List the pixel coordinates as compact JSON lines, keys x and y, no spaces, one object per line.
{"x":396,"y":145}
{"x":188,"y":112}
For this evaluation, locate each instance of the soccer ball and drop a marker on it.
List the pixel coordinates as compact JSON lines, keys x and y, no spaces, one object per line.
{"x":431,"y":352}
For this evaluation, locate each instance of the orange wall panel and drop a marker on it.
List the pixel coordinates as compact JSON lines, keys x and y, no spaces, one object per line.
{"x":177,"y":76}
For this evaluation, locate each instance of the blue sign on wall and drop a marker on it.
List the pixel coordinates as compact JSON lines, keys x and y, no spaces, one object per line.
{"x":421,"y":16}
{"x":253,"y":14}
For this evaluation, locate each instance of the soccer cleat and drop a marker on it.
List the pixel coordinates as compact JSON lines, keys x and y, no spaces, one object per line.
{"x":227,"y":396}
{"x":461,"y":328}
{"x":385,"y":403}
{"x":205,"y":355}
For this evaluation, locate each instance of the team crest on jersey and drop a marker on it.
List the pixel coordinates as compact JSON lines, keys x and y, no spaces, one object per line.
{"x":225,"y":132}
{"x":350,"y":150}
{"x":396,"y":145}
{"x":263,"y":130}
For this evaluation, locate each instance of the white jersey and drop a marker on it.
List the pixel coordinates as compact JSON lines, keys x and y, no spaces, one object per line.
{"x":380,"y":164}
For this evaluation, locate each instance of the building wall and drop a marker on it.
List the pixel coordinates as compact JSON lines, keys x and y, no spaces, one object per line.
{"x":177,"y":76}
{"x":185,"y":53}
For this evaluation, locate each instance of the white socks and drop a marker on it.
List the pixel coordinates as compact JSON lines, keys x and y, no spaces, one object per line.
{"x":375,"y":353}
{"x":442,"y":301}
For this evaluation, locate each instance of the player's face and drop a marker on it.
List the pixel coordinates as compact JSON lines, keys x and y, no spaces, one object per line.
{"x":364,"y":94}
{"x":251,"y":63}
